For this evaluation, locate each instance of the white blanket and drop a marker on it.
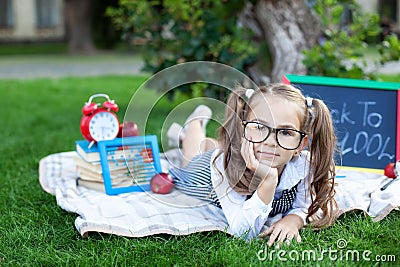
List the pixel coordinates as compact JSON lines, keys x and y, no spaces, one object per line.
{"x":362,"y":191}
{"x":145,"y":213}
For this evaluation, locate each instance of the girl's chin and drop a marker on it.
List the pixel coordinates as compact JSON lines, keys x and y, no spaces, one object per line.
{"x":267,"y":161}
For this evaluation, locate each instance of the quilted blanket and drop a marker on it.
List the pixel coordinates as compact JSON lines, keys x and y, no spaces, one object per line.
{"x":145,"y":213}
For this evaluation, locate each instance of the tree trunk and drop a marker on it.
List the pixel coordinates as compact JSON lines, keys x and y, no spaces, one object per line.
{"x":288,"y":27}
{"x":78,"y":17}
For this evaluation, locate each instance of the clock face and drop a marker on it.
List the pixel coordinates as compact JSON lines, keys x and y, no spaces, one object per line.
{"x":103,"y":126}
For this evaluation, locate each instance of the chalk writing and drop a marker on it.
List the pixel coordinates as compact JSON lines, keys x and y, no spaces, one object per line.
{"x":364,"y":114}
{"x":342,"y":117}
{"x":363,"y":141}
{"x":368,"y":117}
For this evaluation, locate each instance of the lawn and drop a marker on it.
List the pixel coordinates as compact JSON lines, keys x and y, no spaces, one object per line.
{"x":41,"y":117}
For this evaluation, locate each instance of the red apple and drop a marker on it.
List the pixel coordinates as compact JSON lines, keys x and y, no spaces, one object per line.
{"x":389,"y":170}
{"x":128,"y":128}
{"x":161,"y":183}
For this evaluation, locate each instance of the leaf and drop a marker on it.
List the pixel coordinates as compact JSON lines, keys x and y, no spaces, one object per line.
{"x":200,"y":53}
{"x":195,"y":42}
{"x":337,"y":12}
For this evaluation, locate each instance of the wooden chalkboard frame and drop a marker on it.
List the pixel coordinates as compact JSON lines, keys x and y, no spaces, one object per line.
{"x":352,"y":83}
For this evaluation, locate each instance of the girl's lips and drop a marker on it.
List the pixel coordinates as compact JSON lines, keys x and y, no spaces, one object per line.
{"x":267,"y":154}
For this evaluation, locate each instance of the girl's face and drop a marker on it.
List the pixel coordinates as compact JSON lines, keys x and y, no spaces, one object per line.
{"x":275,"y":112}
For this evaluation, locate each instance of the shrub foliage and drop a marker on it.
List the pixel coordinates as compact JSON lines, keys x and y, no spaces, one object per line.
{"x":172,"y":32}
{"x":346,"y":36}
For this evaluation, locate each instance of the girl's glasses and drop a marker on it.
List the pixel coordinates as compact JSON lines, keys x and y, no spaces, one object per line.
{"x":257,"y":132}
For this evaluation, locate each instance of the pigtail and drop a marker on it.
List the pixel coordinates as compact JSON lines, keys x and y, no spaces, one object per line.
{"x":322,"y":165}
{"x":230,"y":135}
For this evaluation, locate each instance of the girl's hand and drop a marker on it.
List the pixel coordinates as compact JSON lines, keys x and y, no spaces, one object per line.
{"x":284,"y":230}
{"x":262,"y":171}
{"x":267,"y":174}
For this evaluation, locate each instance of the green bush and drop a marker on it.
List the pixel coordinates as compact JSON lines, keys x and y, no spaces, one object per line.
{"x":341,"y":50}
{"x":389,"y":49}
{"x":172,"y":32}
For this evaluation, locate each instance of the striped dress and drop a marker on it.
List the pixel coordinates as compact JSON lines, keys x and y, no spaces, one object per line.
{"x":195,"y":180}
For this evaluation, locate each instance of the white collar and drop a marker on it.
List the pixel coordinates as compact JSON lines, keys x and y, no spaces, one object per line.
{"x":295,"y":171}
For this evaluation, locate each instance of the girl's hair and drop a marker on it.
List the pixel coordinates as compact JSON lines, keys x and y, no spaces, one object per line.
{"x":315,"y":120}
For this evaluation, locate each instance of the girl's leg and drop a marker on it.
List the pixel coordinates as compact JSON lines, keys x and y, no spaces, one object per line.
{"x":191,"y":143}
{"x":192,"y":136}
{"x":195,"y":141}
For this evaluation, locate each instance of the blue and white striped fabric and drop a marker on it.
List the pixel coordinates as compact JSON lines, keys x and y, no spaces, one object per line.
{"x":195,"y":178}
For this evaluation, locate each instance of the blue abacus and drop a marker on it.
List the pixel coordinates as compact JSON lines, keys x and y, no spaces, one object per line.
{"x":141,"y":158}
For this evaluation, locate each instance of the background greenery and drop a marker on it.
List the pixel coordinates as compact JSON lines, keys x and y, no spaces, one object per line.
{"x":172,"y":32}
{"x":342,"y":47}
{"x":41,"y":117}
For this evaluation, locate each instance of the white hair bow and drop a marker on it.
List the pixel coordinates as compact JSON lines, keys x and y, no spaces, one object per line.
{"x":309,"y":101}
{"x":249,"y":93}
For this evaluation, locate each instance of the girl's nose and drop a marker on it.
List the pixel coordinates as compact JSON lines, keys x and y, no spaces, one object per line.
{"x":271,"y":140}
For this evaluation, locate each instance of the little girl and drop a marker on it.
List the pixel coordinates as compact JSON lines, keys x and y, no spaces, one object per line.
{"x":259,"y":172}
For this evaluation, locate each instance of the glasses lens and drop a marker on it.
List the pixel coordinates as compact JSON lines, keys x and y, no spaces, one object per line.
{"x":256,"y":132}
{"x":288,"y":138}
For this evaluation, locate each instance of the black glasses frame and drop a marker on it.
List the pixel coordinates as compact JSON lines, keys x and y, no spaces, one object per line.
{"x":273,"y":130}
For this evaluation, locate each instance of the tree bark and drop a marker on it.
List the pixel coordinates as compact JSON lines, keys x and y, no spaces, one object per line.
{"x":79,"y":28}
{"x":288,"y":27}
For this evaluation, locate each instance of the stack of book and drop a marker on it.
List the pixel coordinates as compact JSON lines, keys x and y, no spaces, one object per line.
{"x":90,"y":170}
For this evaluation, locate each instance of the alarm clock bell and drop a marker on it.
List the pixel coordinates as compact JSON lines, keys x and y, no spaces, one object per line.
{"x":99,"y":121}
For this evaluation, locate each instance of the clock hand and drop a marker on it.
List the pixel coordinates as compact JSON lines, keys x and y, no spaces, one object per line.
{"x":102,"y":131}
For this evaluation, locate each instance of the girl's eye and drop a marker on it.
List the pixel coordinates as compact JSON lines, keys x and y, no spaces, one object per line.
{"x":286,"y":132}
{"x":261,"y":127}
{"x":252,"y":126}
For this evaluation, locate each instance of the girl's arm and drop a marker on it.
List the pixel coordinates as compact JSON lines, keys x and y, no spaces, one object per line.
{"x":288,"y":227}
{"x":245,"y":216}
{"x":268,"y":175}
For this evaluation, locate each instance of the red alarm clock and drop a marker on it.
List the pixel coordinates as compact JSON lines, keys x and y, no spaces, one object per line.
{"x":99,"y":121}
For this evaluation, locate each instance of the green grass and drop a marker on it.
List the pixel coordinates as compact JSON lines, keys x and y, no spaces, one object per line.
{"x":33,"y":49}
{"x":41,"y":117}
{"x":53,"y":48}
{"x":389,"y":77}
